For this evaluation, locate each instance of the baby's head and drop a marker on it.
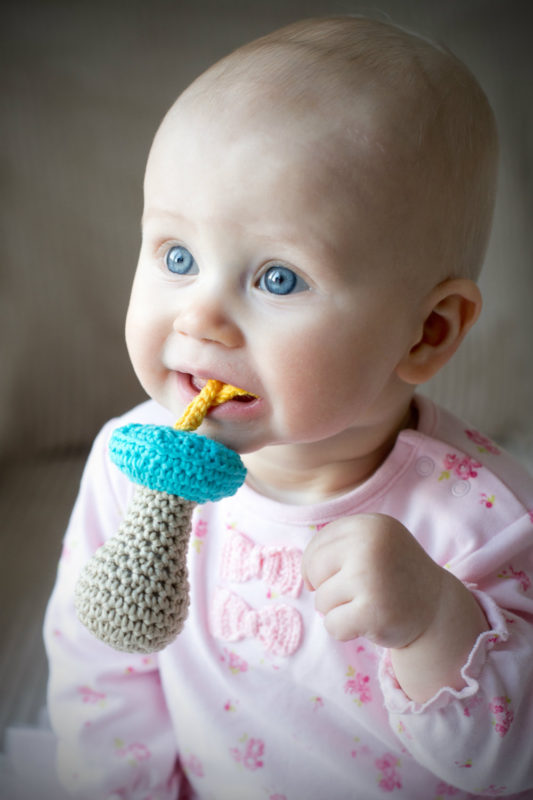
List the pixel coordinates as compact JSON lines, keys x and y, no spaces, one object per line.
{"x":333,"y":156}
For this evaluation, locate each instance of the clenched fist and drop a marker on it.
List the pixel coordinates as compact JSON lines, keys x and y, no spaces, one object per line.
{"x":371,"y":578}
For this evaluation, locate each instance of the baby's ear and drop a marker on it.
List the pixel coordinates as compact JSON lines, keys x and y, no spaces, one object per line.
{"x":450,"y":311}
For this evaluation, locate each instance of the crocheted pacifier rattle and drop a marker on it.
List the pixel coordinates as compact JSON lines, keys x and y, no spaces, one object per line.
{"x":134,"y":592}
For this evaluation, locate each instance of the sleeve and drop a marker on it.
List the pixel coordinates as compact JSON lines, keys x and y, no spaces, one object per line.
{"x":479,"y":738}
{"x":107,"y":709}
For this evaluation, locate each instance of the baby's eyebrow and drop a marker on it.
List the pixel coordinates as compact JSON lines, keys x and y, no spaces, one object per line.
{"x":156,"y":212}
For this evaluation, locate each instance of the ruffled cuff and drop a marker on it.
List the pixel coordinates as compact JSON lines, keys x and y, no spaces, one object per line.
{"x":397,"y":702}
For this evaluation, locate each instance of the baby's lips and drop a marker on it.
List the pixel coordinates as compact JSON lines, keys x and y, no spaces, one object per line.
{"x":199,"y":380}
{"x":214,"y":393}
{"x":228,"y":391}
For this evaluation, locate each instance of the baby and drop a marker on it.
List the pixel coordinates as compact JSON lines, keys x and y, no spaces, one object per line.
{"x":317,"y":207}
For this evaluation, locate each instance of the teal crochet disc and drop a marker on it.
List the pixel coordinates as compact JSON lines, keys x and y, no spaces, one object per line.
{"x":183,"y":463}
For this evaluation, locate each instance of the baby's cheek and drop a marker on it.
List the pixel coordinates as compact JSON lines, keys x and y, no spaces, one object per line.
{"x":144,"y":353}
{"x":143,"y":327}
{"x":303,"y":411}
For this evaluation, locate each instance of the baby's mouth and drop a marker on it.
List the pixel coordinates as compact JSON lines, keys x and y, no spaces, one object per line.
{"x":199,"y":383}
{"x":243,"y":398}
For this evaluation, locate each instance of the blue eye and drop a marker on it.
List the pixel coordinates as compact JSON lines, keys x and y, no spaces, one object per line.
{"x":282,"y":280}
{"x":180,"y":262}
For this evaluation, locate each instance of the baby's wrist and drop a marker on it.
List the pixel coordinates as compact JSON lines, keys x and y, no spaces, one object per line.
{"x":436,"y":657}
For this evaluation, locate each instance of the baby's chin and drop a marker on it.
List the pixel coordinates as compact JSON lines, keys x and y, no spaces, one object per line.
{"x":241,"y":442}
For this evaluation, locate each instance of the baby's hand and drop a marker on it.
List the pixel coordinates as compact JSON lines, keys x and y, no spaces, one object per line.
{"x":372,"y":579}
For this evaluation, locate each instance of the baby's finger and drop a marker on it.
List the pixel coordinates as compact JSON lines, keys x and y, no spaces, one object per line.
{"x":319,"y":568}
{"x":342,"y":622}
{"x":320,"y":559}
{"x":336,"y":591}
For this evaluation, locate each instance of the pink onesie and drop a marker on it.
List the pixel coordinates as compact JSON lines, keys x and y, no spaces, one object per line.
{"x":254,"y":699}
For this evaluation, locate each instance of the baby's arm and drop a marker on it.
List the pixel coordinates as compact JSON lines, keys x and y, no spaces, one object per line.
{"x":449,"y":666}
{"x":107,"y":708}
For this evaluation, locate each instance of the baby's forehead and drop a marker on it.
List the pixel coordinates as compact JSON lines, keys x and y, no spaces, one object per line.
{"x":322,"y":150}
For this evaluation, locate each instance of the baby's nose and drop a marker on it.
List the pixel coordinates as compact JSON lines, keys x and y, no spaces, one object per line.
{"x":209,"y":321}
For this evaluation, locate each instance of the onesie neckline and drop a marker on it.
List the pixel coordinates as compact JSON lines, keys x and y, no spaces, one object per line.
{"x":356,"y":500}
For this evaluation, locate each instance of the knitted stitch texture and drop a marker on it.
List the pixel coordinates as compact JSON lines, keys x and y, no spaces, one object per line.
{"x":279,"y":567}
{"x":278,"y":627}
{"x":177,"y":462}
{"x":134,"y":592}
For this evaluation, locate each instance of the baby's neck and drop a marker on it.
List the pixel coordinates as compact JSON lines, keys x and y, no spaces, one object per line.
{"x":308,"y":474}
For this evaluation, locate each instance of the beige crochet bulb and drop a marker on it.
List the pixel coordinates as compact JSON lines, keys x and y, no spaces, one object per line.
{"x":134,"y":593}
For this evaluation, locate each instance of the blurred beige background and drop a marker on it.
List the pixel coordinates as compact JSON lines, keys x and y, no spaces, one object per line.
{"x":84,"y":87}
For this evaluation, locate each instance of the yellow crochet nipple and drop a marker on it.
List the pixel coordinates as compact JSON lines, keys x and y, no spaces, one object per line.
{"x":214,"y":393}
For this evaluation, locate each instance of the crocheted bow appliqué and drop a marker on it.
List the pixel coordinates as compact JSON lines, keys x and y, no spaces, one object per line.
{"x":278,"y":627}
{"x":279,"y":567}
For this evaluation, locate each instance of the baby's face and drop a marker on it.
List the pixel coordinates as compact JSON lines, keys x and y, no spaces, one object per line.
{"x":270,"y":261}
